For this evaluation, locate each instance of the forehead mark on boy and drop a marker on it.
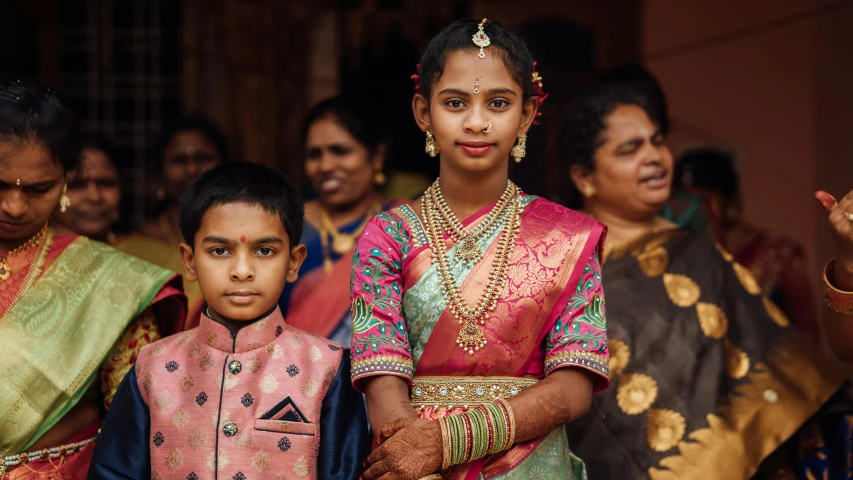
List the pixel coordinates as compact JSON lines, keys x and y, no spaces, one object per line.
{"x":242,"y":239}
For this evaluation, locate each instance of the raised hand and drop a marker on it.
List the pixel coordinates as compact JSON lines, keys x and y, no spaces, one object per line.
{"x":840,"y":221}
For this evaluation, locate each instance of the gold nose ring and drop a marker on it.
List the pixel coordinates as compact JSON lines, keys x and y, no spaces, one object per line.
{"x":488,"y":128}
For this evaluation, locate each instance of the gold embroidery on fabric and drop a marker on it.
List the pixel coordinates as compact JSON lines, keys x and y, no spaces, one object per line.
{"x":186,"y":383}
{"x":244,"y":439}
{"x":775,"y":313}
{"x":194,"y":351}
{"x":301,"y":469}
{"x":314,"y":354}
{"x":747,"y":427}
{"x":157,"y":350}
{"x":254,"y":345}
{"x":725,"y":253}
{"x":737,"y":361}
{"x":746,"y":279}
{"x":274,"y":351}
{"x":262,"y":325}
{"x":229,"y":383}
{"x":123,"y":354}
{"x":155,"y":475}
{"x":682,"y":290}
{"x":206,"y":362}
{"x":212,"y":460}
{"x":269,"y":384}
{"x":620,"y":354}
{"x":261,"y":462}
{"x":211,"y":338}
{"x":279,"y":477}
{"x":664,"y":429}
{"x":254,"y":364}
{"x":163,"y":400}
{"x":636,"y":393}
{"x":712,"y":320}
{"x":174,"y":460}
{"x":148,"y":381}
{"x":294,"y":340}
{"x":653,"y":263}
{"x":183,"y":339}
{"x":329,"y":375}
{"x":310,"y":388}
{"x":180,"y":419}
{"x":197,"y":438}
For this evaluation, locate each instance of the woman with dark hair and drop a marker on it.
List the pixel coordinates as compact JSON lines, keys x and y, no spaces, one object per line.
{"x":777,"y":262}
{"x":74,"y":312}
{"x":709,"y":380}
{"x":189,"y":147}
{"x":345,"y":150}
{"x":95,"y":192}
{"x":479,"y":328}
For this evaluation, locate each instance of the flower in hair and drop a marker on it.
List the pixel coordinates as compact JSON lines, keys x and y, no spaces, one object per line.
{"x":538,"y":91}
{"x":417,"y":78}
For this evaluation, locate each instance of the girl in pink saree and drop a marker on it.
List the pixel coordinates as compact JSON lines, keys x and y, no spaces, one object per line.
{"x":476,"y":341}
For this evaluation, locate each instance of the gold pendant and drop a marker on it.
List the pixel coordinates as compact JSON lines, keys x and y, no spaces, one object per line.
{"x":342,"y":244}
{"x":471,"y":338}
{"x":468,"y":251}
{"x":5,"y":271}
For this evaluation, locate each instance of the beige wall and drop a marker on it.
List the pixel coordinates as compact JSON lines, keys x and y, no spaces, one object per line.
{"x":780,"y":94}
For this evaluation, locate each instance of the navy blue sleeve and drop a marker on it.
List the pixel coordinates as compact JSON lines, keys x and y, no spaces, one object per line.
{"x":122,"y":449}
{"x":344,"y":438}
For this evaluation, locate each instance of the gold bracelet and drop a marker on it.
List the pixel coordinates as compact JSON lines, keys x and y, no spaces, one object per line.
{"x":446,"y":445}
{"x":837,"y":300}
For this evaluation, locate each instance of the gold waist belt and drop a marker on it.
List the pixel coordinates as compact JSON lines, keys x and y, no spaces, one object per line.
{"x":464,"y":391}
{"x":47,"y":453}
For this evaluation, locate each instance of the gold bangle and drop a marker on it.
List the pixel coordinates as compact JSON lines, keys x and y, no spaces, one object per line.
{"x":446,"y":445}
{"x":837,"y":300}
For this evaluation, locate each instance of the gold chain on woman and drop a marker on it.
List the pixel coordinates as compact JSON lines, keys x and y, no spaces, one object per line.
{"x":471,"y":336}
{"x":35,"y":267}
{"x":5,"y":269}
{"x":469,"y":251}
{"x":341,"y":242}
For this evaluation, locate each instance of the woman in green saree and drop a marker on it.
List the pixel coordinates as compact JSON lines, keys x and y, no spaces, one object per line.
{"x":708,"y":379}
{"x":75,"y":312}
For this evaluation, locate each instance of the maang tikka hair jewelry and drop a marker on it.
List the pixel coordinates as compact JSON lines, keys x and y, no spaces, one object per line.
{"x":477,"y":86}
{"x":481,"y":39}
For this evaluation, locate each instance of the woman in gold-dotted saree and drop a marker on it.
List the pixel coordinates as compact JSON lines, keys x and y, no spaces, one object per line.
{"x":75,"y":312}
{"x":709,"y":381}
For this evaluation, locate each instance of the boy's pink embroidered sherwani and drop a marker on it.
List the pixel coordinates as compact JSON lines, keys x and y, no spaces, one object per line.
{"x":267,"y":401}
{"x":549,"y":316}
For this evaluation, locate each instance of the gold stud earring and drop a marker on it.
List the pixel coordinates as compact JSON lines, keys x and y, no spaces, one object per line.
{"x":431,"y":146}
{"x":520,"y":149}
{"x":64,"y":201}
{"x":588,"y":191}
{"x":379,"y":178}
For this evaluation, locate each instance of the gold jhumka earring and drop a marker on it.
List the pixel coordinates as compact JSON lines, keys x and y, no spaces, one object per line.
{"x":519,"y":151}
{"x":431,"y":146}
{"x":64,"y":201}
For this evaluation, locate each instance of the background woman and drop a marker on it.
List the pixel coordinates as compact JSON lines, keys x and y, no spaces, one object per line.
{"x":778,"y":263}
{"x":75,"y":312}
{"x":188,"y":148}
{"x":478,"y":316}
{"x":709,"y":381}
{"x":95,"y":192}
{"x":345,"y":148}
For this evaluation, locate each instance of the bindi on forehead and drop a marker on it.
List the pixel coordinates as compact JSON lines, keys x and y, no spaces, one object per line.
{"x":242,"y":239}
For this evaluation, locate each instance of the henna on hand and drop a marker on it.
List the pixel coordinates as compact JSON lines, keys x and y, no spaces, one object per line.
{"x":413,"y":449}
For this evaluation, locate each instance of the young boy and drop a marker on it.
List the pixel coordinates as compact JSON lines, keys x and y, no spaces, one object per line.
{"x":241,"y":396}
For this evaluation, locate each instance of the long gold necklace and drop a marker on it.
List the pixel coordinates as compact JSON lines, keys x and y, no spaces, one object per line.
{"x":469,"y":251}
{"x":5,"y":269}
{"x":471,"y":336}
{"x":341,"y":242}
{"x":35,"y":268}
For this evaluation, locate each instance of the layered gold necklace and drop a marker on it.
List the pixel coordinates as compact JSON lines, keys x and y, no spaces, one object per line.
{"x":45,"y":242}
{"x":439,"y":219}
{"x":341,"y":242}
{"x":5,"y":269}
